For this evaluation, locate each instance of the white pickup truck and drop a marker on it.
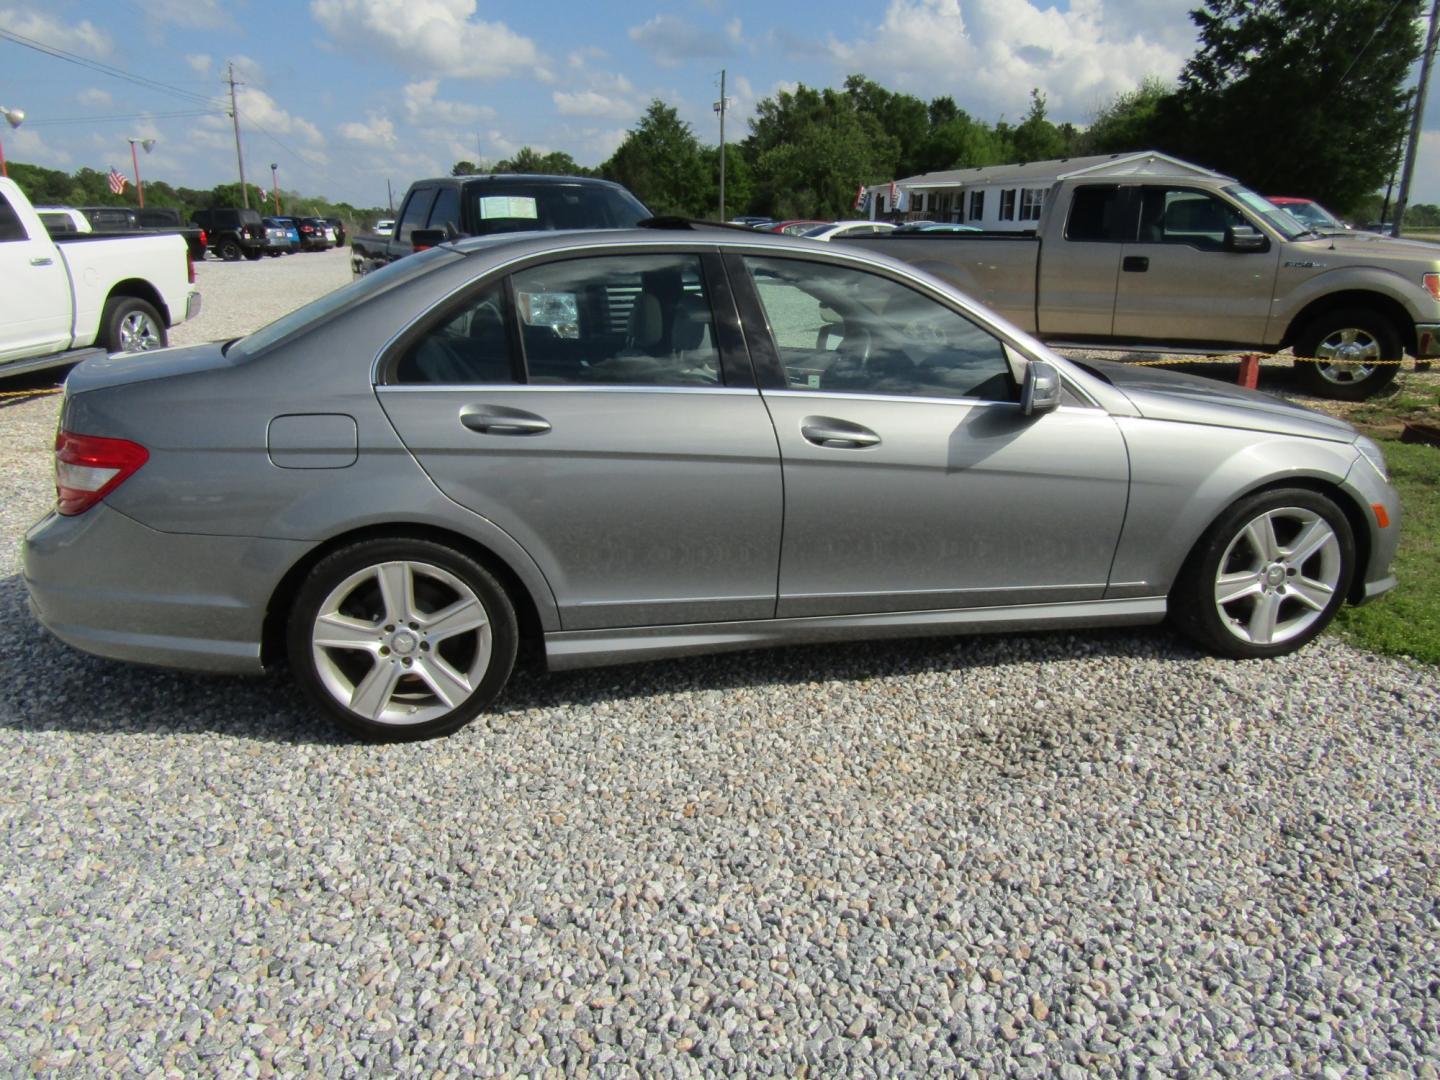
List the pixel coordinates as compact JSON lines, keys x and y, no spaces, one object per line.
{"x":67,"y":297}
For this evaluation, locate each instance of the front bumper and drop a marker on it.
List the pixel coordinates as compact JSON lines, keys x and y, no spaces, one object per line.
{"x":103,"y":583}
{"x":1368,"y":489}
{"x":1427,"y":341}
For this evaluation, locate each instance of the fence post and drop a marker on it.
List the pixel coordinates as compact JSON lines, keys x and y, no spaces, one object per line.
{"x":1249,"y":371}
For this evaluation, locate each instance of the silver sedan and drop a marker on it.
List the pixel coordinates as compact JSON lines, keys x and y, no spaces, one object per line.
{"x":625,"y":445}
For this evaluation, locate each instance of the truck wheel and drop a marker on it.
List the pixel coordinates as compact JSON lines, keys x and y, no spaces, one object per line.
{"x":230,"y":251}
{"x":1339,"y":354}
{"x":130,"y":325}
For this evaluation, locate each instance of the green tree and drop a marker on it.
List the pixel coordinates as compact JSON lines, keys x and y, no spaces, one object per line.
{"x":1037,"y":139}
{"x":1297,"y":97}
{"x":555,"y":163}
{"x":662,"y":163}
{"x":904,"y":118}
{"x":1128,"y":121}
{"x":810,"y":149}
{"x":464,"y":168}
{"x":739,"y":181}
{"x":960,"y":142}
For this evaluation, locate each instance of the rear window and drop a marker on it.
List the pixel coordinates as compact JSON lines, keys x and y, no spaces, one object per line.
{"x":520,"y":207}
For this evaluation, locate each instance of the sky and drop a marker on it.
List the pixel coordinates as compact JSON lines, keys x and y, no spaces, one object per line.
{"x":343,"y":95}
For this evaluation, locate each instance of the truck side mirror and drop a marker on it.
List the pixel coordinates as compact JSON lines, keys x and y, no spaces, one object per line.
{"x":1041,"y":390}
{"x":1245,"y":238}
{"x":421,"y":239}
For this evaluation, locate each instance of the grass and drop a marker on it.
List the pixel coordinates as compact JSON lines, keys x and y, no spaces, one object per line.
{"x":1407,"y":621}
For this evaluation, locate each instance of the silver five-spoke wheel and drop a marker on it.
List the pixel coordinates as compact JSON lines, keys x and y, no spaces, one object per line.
{"x":402,"y":639}
{"x":1278,"y":575}
{"x":139,"y":333}
{"x":1341,"y":358}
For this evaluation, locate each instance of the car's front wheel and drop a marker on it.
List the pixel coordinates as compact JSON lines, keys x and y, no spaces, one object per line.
{"x":1268,"y":576}
{"x":402,"y":639}
{"x":1348,"y":355}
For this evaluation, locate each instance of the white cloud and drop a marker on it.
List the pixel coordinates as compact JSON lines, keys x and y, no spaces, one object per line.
{"x":261,"y":110}
{"x":672,"y":41}
{"x":377,"y":130}
{"x":81,"y":37}
{"x":94,"y":98}
{"x":438,"y":37}
{"x":425,"y":109}
{"x":199,"y":63}
{"x":610,"y":96}
{"x":989,"y":53}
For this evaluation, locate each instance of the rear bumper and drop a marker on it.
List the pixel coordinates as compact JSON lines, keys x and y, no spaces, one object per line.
{"x":192,"y":305}
{"x":105,"y":584}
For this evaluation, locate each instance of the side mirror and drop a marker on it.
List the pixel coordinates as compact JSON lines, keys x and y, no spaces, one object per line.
{"x":1245,"y":238}
{"x":1041,"y":390}
{"x":421,"y":239}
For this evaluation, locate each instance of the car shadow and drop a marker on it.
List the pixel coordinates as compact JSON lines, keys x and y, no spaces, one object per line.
{"x":47,"y":686}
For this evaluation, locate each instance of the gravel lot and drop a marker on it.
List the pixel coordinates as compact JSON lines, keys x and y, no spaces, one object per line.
{"x":1042,"y":855}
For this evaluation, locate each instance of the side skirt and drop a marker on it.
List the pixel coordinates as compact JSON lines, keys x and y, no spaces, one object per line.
{"x":565,"y":650}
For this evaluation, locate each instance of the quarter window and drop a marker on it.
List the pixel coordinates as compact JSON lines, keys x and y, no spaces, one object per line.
{"x":10,"y":226}
{"x":447,"y":209}
{"x":638,"y":320}
{"x":850,"y":331}
{"x":415,"y":213}
{"x":471,"y":346}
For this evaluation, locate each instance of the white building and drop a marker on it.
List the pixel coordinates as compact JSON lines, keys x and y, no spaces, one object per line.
{"x":1008,"y":198}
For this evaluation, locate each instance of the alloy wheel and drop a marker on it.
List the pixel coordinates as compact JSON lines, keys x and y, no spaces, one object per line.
{"x":1278,"y":576}
{"x":139,"y":333}
{"x":1341,"y":357}
{"x":401,"y":643}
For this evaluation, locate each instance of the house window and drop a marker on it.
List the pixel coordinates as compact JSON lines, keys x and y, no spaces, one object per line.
{"x":1031,"y":199}
{"x":977,"y":206}
{"x":1007,"y":204}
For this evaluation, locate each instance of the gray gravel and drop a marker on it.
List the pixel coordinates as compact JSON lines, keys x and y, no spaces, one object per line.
{"x":1046,"y":855}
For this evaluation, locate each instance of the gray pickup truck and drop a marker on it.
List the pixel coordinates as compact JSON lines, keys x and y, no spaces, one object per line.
{"x":1198,"y":265}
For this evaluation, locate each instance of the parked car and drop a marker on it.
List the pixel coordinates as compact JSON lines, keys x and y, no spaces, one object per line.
{"x":629,"y":444}
{"x":112,"y":220}
{"x":1311,"y":213}
{"x":936,"y":227}
{"x":281,"y":236}
{"x":234,"y":232}
{"x":449,"y":207}
{"x":63,"y":219}
{"x":751,"y":221}
{"x":339,"y":230}
{"x":1158,"y":262}
{"x":385,"y":227}
{"x":792,"y":228}
{"x":839,"y":230}
{"x":69,"y":294}
{"x":314,"y":235}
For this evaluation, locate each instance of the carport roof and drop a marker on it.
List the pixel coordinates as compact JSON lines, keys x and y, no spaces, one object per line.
{"x":1141,"y":163}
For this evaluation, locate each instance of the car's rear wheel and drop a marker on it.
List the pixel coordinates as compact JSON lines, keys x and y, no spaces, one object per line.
{"x":1268,"y":576}
{"x":254,"y":256}
{"x":230,"y":250}
{"x":402,"y":639}
{"x":1348,"y":354}
{"x":130,"y":325}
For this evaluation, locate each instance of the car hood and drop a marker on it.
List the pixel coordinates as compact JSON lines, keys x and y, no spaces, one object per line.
{"x":1370,"y":245}
{"x":121,"y":368}
{"x":1190,"y":399}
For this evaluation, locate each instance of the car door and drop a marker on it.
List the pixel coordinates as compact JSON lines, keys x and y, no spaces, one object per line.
{"x":912,"y":479}
{"x":1179,"y":283}
{"x":36,"y":307}
{"x":597,"y":410}
{"x":1079,"y":269}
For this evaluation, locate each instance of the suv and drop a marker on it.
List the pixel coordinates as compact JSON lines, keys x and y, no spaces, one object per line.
{"x":339,"y":227}
{"x":313,"y":236}
{"x":233,"y":232}
{"x":281,"y":236}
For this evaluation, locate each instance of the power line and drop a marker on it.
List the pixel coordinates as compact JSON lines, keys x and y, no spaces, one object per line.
{"x":108,"y":69}
{"x":122,"y":116}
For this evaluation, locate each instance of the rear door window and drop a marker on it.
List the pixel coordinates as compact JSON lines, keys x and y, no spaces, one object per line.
{"x":1100,"y":213}
{"x":467,"y":346}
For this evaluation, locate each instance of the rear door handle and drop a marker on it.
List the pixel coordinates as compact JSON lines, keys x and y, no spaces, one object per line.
{"x":835,"y":434}
{"x":41,"y":260}
{"x":1135,"y":264}
{"x":501,"y":420}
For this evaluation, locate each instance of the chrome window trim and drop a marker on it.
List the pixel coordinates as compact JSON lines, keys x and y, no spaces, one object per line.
{"x":590,"y":388}
{"x":843,"y":395}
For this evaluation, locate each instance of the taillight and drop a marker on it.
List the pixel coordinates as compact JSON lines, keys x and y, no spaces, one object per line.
{"x":1432,"y":284}
{"x":88,"y":467}
{"x":204,"y":239}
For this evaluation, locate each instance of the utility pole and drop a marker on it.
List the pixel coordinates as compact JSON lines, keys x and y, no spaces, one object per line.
{"x":720,"y":108}
{"x":239,"y":157}
{"x":1427,"y":60}
{"x":390,"y":196}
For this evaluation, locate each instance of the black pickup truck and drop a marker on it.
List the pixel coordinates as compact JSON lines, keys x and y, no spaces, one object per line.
{"x":450,"y":207}
{"x":155,"y":219}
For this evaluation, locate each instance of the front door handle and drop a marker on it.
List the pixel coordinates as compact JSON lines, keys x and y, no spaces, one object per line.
{"x":835,"y":434}
{"x":501,"y":420}
{"x":1135,"y":264}
{"x":41,"y":260}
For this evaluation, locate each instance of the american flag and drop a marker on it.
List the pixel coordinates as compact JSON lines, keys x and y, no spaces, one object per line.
{"x":117,"y":182}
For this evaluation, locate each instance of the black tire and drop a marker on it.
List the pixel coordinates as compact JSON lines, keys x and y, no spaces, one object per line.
{"x":1227,"y":546}
{"x":130,"y":325}
{"x":406,"y":705}
{"x":1368,"y":331}
{"x":229,"y":250}
{"x":273,"y":254}
{"x":255,"y":256}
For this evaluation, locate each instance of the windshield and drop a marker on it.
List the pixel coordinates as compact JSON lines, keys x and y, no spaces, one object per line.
{"x":1314,"y":215}
{"x":1283,"y":223}
{"x":521,"y":207}
{"x":317,"y":311}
